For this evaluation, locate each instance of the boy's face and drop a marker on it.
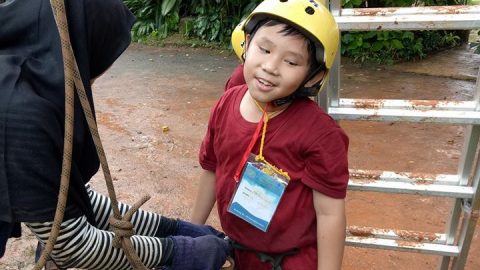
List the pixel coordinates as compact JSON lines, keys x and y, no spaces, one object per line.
{"x":275,"y":64}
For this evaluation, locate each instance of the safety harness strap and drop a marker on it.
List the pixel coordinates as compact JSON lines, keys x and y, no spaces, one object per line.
{"x":275,"y":259}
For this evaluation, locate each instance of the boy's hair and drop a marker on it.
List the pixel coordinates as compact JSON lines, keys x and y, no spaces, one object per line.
{"x":289,"y":30}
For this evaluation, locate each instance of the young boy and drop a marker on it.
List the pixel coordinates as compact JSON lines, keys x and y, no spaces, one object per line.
{"x":289,"y":49}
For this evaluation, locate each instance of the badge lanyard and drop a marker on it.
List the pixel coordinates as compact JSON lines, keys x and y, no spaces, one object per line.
{"x":260,"y":185}
{"x":236,"y":177}
{"x":249,"y":148}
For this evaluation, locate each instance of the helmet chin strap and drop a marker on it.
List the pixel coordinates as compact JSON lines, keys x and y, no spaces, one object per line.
{"x":302,"y":91}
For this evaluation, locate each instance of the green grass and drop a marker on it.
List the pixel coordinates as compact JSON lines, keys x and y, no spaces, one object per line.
{"x":473,"y":2}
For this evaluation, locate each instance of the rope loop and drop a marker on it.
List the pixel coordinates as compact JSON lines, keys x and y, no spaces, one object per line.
{"x":122,"y":227}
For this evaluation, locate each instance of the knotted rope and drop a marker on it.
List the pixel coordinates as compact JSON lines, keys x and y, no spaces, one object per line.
{"x":121,"y":226}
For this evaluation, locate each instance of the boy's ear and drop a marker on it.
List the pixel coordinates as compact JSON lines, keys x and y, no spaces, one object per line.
{"x":247,"y":42}
{"x":317,"y":78}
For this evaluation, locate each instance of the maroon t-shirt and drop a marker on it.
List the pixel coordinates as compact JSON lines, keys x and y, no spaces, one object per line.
{"x":236,"y":78}
{"x":302,"y":140}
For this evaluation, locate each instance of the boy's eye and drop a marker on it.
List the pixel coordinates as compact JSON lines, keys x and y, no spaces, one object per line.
{"x":264,"y":50}
{"x":291,"y":63}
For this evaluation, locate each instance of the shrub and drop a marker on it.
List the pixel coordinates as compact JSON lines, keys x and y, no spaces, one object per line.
{"x":214,"y":20}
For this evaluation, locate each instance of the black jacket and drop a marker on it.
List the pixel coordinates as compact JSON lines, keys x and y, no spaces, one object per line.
{"x":32,"y":102}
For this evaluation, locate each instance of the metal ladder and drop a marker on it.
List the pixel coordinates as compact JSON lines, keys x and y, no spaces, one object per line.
{"x":462,"y":187}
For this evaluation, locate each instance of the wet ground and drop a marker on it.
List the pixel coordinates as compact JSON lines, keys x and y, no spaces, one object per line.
{"x":153,"y":106}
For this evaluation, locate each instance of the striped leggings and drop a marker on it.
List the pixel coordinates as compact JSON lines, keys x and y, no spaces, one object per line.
{"x":81,"y":245}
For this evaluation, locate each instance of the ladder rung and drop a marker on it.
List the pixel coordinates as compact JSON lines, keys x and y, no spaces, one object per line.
{"x":408,"y":104}
{"x":404,"y":235}
{"x":408,"y":177}
{"x":400,"y":245}
{"x":401,"y":240}
{"x":412,"y":115}
{"x":445,"y":185}
{"x":417,"y":18}
{"x":411,"y":188}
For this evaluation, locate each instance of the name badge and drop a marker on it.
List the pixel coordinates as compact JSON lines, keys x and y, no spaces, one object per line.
{"x":258,"y":193}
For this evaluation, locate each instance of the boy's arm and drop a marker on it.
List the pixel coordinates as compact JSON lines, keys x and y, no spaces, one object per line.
{"x":331,"y":224}
{"x":205,"y":198}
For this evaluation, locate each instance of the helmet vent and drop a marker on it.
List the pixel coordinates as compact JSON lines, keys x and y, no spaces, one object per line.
{"x":283,"y":1}
{"x":310,"y":10}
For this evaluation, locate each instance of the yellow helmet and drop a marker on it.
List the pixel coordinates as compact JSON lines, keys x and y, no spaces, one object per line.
{"x":310,"y":17}
{"x":238,"y":40}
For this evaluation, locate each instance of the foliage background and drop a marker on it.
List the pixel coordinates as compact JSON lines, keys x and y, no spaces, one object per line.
{"x":212,"y":21}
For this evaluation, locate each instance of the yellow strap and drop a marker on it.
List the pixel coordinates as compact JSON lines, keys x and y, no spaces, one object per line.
{"x":262,"y":142}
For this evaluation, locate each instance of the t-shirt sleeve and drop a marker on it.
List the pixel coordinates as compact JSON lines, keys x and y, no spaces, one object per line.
{"x":207,"y":158}
{"x":236,"y":78}
{"x":108,"y":24}
{"x":326,"y":165}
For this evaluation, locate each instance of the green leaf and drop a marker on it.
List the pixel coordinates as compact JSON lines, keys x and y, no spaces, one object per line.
{"x":167,"y":6}
{"x":383,"y":36}
{"x":477,"y":50}
{"x":352,"y":46}
{"x":359,"y":41}
{"x":397,"y":44}
{"x":408,"y":35}
{"x":347,"y":38}
{"x":357,"y":3}
{"x":377,"y":46}
{"x":370,"y":34}
{"x":396,"y":34}
{"x":387,"y":44}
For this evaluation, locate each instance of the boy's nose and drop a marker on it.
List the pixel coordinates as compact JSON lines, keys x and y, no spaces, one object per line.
{"x":270,"y":65}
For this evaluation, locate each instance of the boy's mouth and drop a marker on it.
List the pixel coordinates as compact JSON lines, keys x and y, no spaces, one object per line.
{"x":264,"y":85}
{"x":265,"y":82}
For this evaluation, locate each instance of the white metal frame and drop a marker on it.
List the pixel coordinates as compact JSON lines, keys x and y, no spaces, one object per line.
{"x":463,"y":187}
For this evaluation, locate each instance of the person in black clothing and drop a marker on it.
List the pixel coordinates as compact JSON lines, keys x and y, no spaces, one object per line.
{"x":31,"y":143}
